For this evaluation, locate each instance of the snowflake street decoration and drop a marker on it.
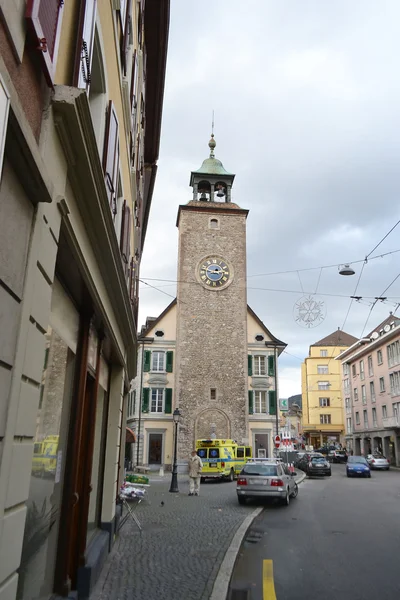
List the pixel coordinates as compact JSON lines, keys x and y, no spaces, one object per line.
{"x":309,"y":312}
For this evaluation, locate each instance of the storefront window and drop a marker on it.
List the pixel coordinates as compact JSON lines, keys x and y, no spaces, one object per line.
{"x":39,"y":551}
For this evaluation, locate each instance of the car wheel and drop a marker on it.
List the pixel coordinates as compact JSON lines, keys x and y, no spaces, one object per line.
{"x":295,"y":491}
{"x":286,"y":499}
{"x":329,"y":474}
{"x":202,"y":479}
{"x":369,"y":475}
{"x":388,"y":469}
{"x":241,"y":500}
{"x":231,"y":475}
{"x":348,"y":474}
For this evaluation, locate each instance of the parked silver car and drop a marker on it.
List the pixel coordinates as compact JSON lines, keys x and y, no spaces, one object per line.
{"x":378,"y":461}
{"x":266,"y":479}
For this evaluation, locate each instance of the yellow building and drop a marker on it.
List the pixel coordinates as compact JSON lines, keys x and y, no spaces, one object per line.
{"x":321,"y":386}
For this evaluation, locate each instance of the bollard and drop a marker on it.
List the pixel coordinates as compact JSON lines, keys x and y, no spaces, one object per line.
{"x":161,"y":473}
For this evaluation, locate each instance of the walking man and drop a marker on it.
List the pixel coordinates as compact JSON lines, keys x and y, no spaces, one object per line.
{"x":195,"y":467}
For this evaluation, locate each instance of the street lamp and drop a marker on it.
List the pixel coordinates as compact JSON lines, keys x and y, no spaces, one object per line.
{"x":174,"y":479}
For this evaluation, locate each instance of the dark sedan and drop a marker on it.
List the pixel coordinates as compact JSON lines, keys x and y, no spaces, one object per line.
{"x":305,"y":459}
{"x":357,"y":466}
{"x":318,"y":466}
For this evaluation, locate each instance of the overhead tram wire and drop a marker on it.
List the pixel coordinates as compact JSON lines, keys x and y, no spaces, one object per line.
{"x":353,"y":262}
{"x":381,"y":298}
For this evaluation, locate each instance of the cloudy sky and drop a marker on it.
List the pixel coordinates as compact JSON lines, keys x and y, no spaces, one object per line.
{"x":306,"y":95}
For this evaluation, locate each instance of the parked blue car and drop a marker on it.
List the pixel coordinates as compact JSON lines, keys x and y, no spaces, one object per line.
{"x":357,"y":466}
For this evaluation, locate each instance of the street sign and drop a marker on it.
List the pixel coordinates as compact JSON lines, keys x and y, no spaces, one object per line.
{"x":283,"y":404}
{"x":277,"y":441}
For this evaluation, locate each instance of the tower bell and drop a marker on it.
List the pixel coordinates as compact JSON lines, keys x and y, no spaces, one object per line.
{"x":211,"y":183}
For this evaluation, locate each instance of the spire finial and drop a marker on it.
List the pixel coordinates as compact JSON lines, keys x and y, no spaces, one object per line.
{"x":212,"y":142}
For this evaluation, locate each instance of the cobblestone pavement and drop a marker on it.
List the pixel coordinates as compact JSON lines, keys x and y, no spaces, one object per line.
{"x":178,"y":554}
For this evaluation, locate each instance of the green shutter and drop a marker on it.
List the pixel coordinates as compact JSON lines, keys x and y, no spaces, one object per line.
{"x":251,"y":404}
{"x":272,"y":402}
{"x":250,"y":364}
{"x":147,"y":360}
{"x":271,"y":365}
{"x":168,"y":401}
{"x":170,"y":361}
{"x":145,"y":400}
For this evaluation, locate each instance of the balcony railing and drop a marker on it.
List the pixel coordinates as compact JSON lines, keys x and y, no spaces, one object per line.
{"x":391,"y":422}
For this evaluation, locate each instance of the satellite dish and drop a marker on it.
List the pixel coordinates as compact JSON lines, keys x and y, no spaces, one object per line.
{"x":386,"y":328}
{"x":374,"y":335}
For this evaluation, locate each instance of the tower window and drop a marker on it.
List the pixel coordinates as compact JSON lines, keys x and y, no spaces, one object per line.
{"x":159,"y":333}
{"x":259,"y":338}
{"x":213,"y":394}
{"x":213,"y":223}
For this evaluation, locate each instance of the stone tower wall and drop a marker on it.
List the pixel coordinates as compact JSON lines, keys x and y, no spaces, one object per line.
{"x":211,"y":327}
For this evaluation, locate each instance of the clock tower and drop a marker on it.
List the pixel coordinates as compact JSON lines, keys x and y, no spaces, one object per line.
{"x":211,"y":377}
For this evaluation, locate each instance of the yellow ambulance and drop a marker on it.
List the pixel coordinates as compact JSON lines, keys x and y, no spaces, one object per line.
{"x":45,"y":456}
{"x":222,"y":459}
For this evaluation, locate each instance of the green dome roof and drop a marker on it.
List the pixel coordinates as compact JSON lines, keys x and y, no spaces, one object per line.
{"x":212,"y":166}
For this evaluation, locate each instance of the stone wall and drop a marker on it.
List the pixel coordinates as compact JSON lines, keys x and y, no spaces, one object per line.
{"x":211,"y":326}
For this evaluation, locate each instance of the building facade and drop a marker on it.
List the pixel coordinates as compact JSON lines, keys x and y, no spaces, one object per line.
{"x":321,"y":385}
{"x":81,"y":89}
{"x":371,"y":391}
{"x":208,"y":353}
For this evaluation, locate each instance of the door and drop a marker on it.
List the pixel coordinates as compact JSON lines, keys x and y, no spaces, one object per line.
{"x":155,"y":448}
{"x":261,"y":445}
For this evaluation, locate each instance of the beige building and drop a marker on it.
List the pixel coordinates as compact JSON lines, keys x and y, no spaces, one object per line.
{"x":208,"y":353}
{"x":81,"y":92}
{"x":321,"y":386}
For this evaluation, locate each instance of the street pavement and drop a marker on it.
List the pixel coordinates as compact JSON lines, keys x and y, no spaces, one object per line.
{"x":338,"y":540}
{"x":180,"y":550}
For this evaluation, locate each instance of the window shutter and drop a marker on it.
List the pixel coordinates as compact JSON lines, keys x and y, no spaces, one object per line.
{"x":147,"y":360}
{"x":134,"y":84}
{"x":145,"y":400}
{"x":250,"y":364}
{"x":84,"y":47}
{"x":271,"y":365}
{"x":251,"y":402}
{"x":111,"y":156}
{"x":272,"y":402}
{"x":168,"y":401}
{"x":44,"y":19}
{"x":125,"y":241}
{"x":170,"y":361}
{"x":126,"y":7}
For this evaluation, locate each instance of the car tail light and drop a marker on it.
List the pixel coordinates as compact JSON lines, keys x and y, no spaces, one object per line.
{"x":310,"y":464}
{"x":222,"y":464}
{"x":277,"y":483}
{"x":372,"y":461}
{"x":242,"y":481}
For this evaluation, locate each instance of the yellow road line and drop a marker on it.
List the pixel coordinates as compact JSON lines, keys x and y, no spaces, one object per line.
{"x":268,"y":580}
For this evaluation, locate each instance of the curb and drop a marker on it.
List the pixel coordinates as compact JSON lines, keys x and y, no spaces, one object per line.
{"x":221,"y":583}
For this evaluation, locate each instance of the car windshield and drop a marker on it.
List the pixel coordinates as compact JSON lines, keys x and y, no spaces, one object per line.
{"x":262,"y":470}
{"x":357,"y":459}
{"x":379,"y":456}
{"x":317,"y":459}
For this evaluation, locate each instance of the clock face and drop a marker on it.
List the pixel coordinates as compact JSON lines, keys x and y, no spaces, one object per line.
{"x":214,"y":273}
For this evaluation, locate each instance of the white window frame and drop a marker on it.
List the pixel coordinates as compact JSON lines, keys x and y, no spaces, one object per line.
{"x":348,"y":425}
{"x":374,"y":418}
{"x":131,"y":409}
{"x":4,"y":111}
{"x":363,"y":394}
{"x":159,"y":402}
{"x":381,"y":384}
{"x":348,"y":405}
{"x":324,"y":402}
{"x":322,"y":369}
{"x":324,"y":385}
{"x":379,"y":357}
{"x":358,"y":418}
{"x":372,"y":391}
{"x":365,"y":418}
{"x":370,"y":366}
{"x":355,"y":394}
{"x":260,"y":370}
{"x":346,"y":369}
{"x":362,"y":373}
{"x":384,"y":411}
{"x":260,"y":402}
{"x":157,"y":363}
{"x":323,"y":353}
{"x":325,"y":419}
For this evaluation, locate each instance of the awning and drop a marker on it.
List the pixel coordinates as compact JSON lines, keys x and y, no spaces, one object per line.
{"x":130,"y":436}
